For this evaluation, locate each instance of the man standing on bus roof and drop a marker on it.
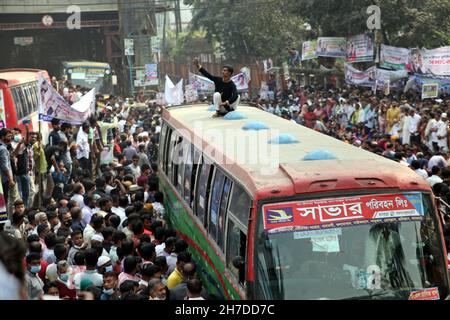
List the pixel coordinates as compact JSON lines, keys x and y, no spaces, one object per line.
{"x":226,"y":98}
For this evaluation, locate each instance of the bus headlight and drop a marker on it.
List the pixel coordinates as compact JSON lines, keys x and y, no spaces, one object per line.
{"x":107,"y":72}
{"x":69,"y":71}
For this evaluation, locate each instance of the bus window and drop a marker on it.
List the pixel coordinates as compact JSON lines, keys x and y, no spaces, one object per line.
{"x":222,"y":212}
{"x":187,"y":173}
{"x":162,"y":154}
{"x":182,"y":154}
{"x":240,"y":204}
{"x":203,"y":192}
{"x":195,"y":166}
{"x":217,"y":187}
{"x":23,"y":103}
{"x":236,"y":247}
{"x":170,"y":145}
{"x":16,"y":98}
{"x":177,"y":164}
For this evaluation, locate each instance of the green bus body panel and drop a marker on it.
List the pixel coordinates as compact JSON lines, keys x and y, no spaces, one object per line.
{"x":178,"y":217}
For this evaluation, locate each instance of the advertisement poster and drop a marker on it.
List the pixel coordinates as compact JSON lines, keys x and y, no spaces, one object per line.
{"x":332,"y":47}
{"x":360,"y":48}
{"x":435,"y":62}
{"x":52,"y":105}
{"x":393,"y":57}
{"x":151,"y":74}
{"x":430,"y":91}
{"x":190,"y":93}
{"x":129,"y":47}
{"x":309,"y":50}
{"x":360,"y":78}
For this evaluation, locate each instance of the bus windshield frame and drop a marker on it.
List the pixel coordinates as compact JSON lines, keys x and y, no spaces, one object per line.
{"x":347,"y":262}
{"x":90,"y":77}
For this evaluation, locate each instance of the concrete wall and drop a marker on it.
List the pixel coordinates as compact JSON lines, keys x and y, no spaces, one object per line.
{"x":53,"y":6}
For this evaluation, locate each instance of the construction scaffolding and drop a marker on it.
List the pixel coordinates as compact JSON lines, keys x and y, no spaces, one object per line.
{"x":138,"y":22}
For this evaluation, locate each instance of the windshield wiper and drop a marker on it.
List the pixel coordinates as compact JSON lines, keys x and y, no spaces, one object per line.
{"x":371,"y":296}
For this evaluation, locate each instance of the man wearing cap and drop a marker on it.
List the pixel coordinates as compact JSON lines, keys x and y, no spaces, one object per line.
{"x":104,"y":265}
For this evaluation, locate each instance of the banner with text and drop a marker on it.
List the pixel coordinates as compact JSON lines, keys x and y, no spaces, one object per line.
{"x":151,"y":74}
{"x":393,"y":57}
{"x":360,"y":78}
{"x":52,"y":105}
{"x":332,"y":47}
{"x":435,"y":62}
{"x":360,"y":48}
{"x":309,"y":50}
{"x":342,"y":212}
{"x":430,"y":91}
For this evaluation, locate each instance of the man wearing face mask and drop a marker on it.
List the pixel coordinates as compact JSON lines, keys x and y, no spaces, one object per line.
{"x":21,"y":156}
{"x":104,"y":265}
{"x":64,"y":273}
{"x":110,"y":291}
{"x":34,"y":284}
{"x":66,"y":222}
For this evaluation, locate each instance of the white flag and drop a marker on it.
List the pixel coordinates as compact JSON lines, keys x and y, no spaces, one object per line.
{"x":173,"y":93}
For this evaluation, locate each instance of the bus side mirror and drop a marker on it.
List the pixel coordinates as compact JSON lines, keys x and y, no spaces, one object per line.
{"x":238,"y":262}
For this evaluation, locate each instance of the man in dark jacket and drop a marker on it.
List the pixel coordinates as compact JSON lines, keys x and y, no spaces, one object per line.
{"x":226,"y":98}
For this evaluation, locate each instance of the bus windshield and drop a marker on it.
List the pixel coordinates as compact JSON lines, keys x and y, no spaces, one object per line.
{"x":368,"y":247}
{"x":90,"y":77}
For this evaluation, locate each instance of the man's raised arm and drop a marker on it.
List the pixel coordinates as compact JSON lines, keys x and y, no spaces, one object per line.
{"x":203,"y":71}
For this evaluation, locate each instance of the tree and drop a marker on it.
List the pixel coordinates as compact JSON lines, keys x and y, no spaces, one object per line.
{"x":408,"y":23}
{"x":253,"y":29}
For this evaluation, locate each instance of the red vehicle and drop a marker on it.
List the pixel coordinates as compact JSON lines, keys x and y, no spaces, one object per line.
{"x":317,"y":219}
{"x":19,"y":98}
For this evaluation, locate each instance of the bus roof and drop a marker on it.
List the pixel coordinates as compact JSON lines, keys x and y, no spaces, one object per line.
{"x":354,"y":168}
{"x":84,"y":63}
{"x":19,"y":76}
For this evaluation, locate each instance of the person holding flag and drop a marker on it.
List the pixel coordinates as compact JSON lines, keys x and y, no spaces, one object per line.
{"x":226,"y":98}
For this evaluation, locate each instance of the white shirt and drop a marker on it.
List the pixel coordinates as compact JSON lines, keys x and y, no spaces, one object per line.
{"x":434,"y":180}
{"x":422,"y":173}
{"x":83,"y":145}
{"x":158,"y":208}
{"x":159,"y":249}
{"x":121,"y":125}
{"x":413,"y":123}
{"x":437,"y":161}
{"x":293,"y":108}
{"x":120,"y":212}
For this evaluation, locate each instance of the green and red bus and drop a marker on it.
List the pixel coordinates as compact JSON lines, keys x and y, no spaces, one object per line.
{"x":348,"y":225}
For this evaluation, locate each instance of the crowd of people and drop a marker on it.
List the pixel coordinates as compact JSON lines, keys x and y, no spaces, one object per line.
{"x":86,"y":218}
